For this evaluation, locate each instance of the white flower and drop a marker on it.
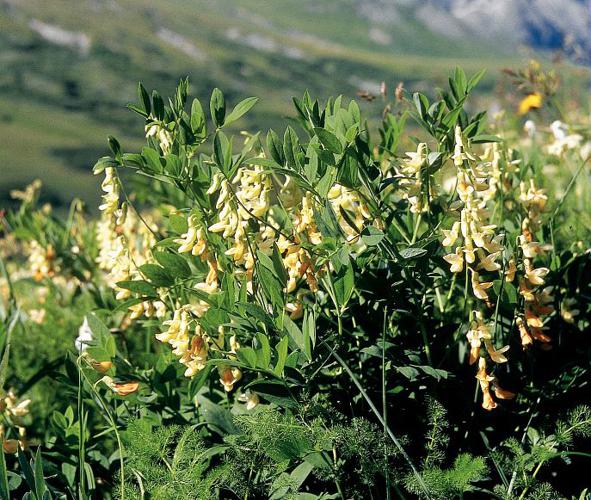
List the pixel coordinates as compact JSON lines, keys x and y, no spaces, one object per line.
{"x":84,"y":336}
{"x":559,"y":129}
{"x":250,"y":398}
{"x":530,"y":128}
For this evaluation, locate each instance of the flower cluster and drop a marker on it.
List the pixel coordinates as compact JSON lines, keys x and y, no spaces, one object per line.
{"x":191,"y":350}
{"x":42,"y":261}
{"x":242,"y":204}
{"x":14,"y":411}
{"x":245,"y":198}
{"x":410,"y":177}
{"x":476,"y":244}
{"x":486,"y":380}
{"x":563,"y":140}
{"x":160,"y":132}
{"x":538,"y":299}
{"x":124,"y":242}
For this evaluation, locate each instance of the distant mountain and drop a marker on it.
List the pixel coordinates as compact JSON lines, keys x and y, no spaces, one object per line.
{"x":540,"y":24}
{"x":70,"y":66}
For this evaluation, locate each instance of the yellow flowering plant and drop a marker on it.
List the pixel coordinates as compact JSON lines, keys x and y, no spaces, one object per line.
{"x":274,"y":309}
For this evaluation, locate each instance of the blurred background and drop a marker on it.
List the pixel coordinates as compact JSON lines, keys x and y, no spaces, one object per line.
{"x":67,"y":68}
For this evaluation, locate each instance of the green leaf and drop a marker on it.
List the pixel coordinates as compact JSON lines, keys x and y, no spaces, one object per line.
{"x":26,"y":469}
{"x":269,"y":280}
{"x":198,"y":381}
{"x":280,"y":271}
{"x":101,"y":338}
{"x":102,"y":163}
{"x":485,"y":138}
{"x":408,"y":371}
{"x":222,"y":150}
{"x":343,"y":282}
{"x":281,"y":349}
{"x":241,"y":109}
{"x":114,"y":146}
{"x":475,"y":80}
{"x":295,"y":334}
{"x":275,"y":392}
{"x":138,"y":286}
{"x":157,"y":275}
{"x":153,"y":160}
{"x":198,"y":121}
{"x":371,"y":236}
{"x":40,"y":485}
{"x":327,"y":181}
{"x":412,"y":253}
{"x":4,"y":488}
{"x":144,"y":98}
{"x":217,"y":416}
{"x":421,"y":103}
{"x":291,"y":148}
{"x":173,"y":263}
{"x":217,"y":106}
{"x":178,"y":223}
{"x":264,"y":353}
{"x":329,"y":140}
{"x":157,"y":105}
{"x":275,"y":147}
{"x":248,"y":356}
{"x":309,"y":331}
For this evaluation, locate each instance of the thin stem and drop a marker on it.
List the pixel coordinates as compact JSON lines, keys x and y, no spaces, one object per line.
{"x":379,"y":417}
{"x":384,"y":401}
{"x":81,"y":459}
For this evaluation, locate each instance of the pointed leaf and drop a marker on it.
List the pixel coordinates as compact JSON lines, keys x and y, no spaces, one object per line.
{"x":241,"y":109}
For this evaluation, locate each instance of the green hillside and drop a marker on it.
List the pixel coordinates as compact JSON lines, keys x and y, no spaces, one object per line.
{"x":70,"y":67}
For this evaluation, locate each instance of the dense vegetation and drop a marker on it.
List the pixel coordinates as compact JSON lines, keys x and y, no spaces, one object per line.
{"x":315,"y":314}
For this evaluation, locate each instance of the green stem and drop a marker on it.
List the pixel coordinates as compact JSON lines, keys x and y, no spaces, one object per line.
{"x":384,"y":400}
{"x":383,"y":422}
{"x":81,"y":458}
{"x":111,"y":420}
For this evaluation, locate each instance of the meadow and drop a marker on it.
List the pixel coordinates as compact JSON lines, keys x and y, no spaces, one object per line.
{"x":70,"y":69}
{"x":333,"y":306}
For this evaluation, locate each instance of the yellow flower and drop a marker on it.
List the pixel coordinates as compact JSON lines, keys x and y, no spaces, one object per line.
{"x":479,"y":288}
{"x":196,"y":356}
{"x":526,"y":338}
{"x":488,"y":262}
{"x":456,"y":260}
{"x":462,"y":150}
{"x":477,"y":333}
{"x":250,"y":398}
{"x":452,"y":235}
{"x":526,"y":292}
{"x":531,"y":249}
{"x":532,"y":319}
{"x":159,"y":131}
{"x":567,"y":312}
{"x":535,"y":276}
{"x":529,"y":102}
{"x":110,"y":186}
{"x":10,"y":446}
{"x":101,"y":366}
{"x":510,"y":271}
{"x":14,"y":407}
{"x":488,"y":403}
{"x":496,"y":355}
{"x":121,"y":388}
{"x":229,"y":375}
{"x":469,"y":250}
{"x":500,"y":392}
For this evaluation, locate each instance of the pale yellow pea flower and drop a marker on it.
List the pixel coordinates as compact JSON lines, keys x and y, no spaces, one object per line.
{"x":456,"y":260}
